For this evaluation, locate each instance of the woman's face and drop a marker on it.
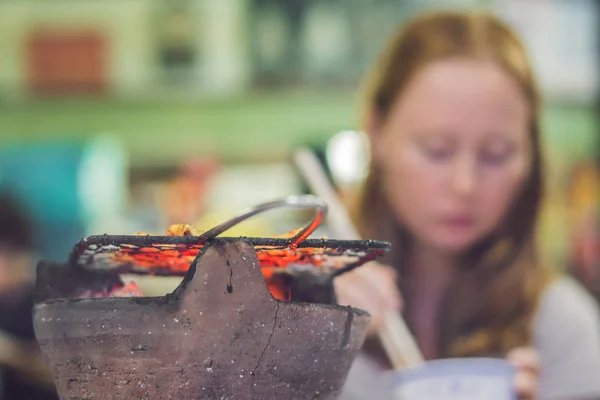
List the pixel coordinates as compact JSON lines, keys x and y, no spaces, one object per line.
{"x":454,"y":151}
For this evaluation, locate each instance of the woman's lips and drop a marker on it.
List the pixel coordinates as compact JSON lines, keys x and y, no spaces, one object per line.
{"x":458,"y":221}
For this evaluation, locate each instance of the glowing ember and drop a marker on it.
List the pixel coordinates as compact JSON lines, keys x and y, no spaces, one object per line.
{"x":129,"y":290}
{"x":177,"y":259}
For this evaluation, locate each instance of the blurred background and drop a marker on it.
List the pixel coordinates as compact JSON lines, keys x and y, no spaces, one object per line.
{"x":121,"y":116}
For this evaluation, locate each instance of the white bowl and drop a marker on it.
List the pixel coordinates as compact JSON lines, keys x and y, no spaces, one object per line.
{"x":456,"y":379}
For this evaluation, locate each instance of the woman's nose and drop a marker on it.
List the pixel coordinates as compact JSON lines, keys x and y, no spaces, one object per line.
{"x":464,"y":175}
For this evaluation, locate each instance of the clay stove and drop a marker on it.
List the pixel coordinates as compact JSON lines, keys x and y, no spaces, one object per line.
{"x":220,"y":335}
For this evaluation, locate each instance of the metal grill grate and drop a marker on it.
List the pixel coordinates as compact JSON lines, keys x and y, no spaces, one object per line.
{"x":173,"y":255}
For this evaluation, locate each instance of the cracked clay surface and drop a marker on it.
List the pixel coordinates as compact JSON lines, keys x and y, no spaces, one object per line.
{"x":219,"y":335}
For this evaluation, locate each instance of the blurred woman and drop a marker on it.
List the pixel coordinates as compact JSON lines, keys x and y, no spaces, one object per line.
{"x":455,"y":185}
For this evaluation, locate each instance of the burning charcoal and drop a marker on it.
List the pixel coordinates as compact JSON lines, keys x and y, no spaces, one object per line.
{"x":129,"y":290}
{"x":220,"y":334}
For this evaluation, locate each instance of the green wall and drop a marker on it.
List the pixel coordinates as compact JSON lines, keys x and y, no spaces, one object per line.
{"x":251,"y":128}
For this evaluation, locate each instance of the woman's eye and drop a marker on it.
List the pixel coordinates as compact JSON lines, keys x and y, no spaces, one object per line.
{"x":495,"y":158}
{"x":438,"y":154}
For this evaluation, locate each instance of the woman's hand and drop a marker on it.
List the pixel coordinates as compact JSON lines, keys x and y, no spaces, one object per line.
{"x":527,"y":380}
{"x":372,"y":288}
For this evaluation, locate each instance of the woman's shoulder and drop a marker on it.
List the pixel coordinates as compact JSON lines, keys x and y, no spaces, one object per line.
{"x":566,"y":301}
{"x":567,"y":336}
{"x":569,"y":295}
{"x":567,"y":323}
